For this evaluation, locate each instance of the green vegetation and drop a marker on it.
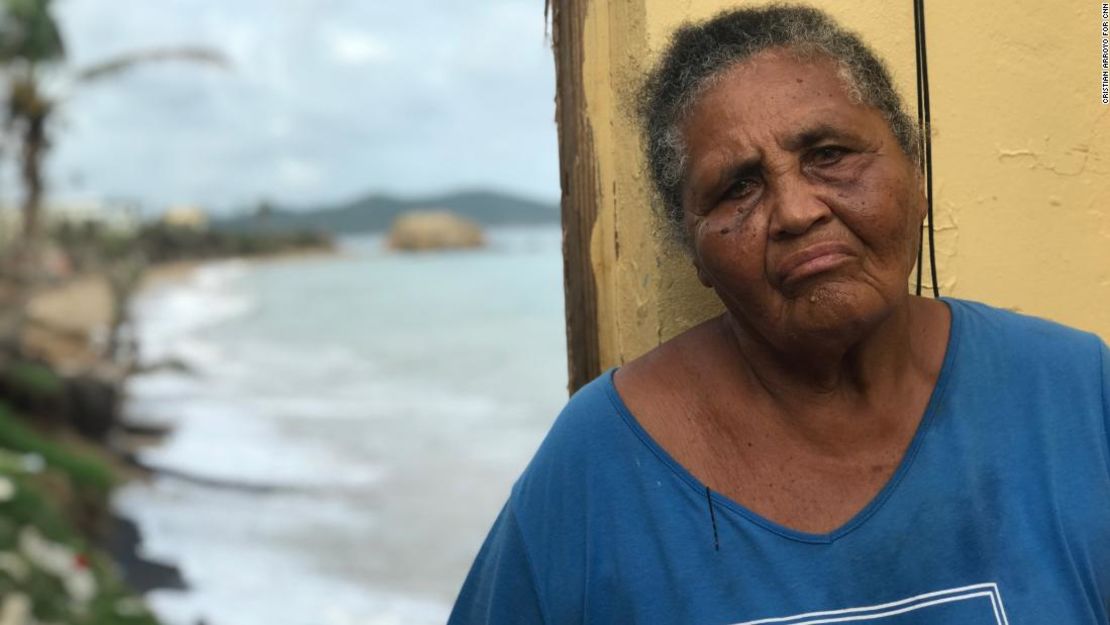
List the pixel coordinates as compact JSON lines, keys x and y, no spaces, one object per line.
{"x":161,"y":242}
{"x":48,"y":569}
{"x":34,"y":379}
{"x":92,"y":247}
{"x":84,"y":472}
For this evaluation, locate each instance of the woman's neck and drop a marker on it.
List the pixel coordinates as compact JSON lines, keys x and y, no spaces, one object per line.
{"x":859,"y":367}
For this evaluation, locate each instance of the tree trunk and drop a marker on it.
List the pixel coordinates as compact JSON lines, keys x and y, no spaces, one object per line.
{"x":34,"y":148}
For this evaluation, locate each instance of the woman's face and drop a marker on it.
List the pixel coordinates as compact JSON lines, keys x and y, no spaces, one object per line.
{"x":803,"y":210}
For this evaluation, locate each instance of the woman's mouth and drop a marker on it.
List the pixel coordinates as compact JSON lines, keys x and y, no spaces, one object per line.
{"x":811,"y":261}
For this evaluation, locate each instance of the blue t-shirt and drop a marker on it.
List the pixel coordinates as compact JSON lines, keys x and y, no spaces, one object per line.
{"x":998,"y":514}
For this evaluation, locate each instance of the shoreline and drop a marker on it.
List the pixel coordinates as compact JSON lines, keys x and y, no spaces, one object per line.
{"x":66,"y":323}
{"x":142,"y":573}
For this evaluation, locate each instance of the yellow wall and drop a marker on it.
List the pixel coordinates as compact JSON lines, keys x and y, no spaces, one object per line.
{"x":1021,"y":158}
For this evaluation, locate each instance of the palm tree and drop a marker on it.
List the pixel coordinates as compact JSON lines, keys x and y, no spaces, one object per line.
{"x":31,"y":41}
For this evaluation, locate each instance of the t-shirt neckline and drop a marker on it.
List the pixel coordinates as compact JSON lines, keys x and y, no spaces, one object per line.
{"x":873,"y":506}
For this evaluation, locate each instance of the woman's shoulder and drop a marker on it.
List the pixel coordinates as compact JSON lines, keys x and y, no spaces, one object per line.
{"x":588,"y":431}
{"x":604,"y":427}
{"x":590,"y":413}
{"x":1009,"y":349}
{"x":1020,"y":334}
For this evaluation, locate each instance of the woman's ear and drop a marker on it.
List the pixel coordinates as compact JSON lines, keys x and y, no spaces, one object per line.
{"x":703,"y":277}
{"x":691,"y":252}
{"x":922,"y":196}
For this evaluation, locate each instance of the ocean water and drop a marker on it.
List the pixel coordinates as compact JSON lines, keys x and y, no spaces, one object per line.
{"x":377,"y":405}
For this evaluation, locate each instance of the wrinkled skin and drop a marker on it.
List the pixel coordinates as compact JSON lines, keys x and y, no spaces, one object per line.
{"x":803,"y":211}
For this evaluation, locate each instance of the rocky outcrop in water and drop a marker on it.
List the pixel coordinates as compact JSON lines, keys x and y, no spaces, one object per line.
{"x":434,"y":230}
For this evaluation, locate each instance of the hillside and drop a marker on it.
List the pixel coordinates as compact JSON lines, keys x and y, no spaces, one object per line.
{"x":376,"y":213}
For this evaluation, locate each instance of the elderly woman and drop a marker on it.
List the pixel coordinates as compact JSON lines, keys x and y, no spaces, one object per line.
{"x":830,"y":449}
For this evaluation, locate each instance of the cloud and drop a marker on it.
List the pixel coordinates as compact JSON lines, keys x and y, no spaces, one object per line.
{"x":356,"y":48}
{"x":296,"y":173}
{"x":325,"y":100}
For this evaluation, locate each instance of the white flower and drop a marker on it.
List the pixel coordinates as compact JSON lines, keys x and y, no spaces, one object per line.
{"x":80,"y":584}
{"x":61,"y":561}
{"x":52,"y":557}
{"x":7,"y":489}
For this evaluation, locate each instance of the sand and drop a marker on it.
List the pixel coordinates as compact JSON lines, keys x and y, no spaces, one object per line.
{"x":67,"y":323}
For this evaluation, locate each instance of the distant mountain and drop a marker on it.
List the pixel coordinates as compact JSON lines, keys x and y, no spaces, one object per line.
{"x":376,"y":213}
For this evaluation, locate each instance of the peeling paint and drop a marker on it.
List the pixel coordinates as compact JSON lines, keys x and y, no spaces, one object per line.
{"x":1037,"y":161}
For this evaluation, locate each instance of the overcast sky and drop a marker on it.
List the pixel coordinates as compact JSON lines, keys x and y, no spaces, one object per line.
{"x":325,"y":100}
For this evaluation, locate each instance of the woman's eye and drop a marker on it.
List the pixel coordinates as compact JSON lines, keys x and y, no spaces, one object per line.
{"x":829,"y":155}
{"x":741,"y":188}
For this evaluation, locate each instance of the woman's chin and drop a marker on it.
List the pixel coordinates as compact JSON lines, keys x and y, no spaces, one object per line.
{"x":835,"y":310}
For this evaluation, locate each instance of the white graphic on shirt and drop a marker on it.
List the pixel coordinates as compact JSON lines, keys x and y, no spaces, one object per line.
{"x":980,"y":604}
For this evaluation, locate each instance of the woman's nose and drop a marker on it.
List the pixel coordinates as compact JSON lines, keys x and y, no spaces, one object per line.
{"x":796,"y":208}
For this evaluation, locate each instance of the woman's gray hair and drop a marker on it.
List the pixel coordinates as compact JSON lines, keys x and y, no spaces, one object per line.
{"x":700,"y":53}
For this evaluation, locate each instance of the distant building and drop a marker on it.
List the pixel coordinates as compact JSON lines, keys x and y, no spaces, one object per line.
{"x":186,"y":216}
{"x":115,"y":216}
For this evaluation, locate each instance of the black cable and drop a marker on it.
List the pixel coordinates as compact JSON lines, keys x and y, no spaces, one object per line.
{"x":924,"y":123}
{"x":713,"y":519}
{"x":920,"y":261}
{"x":920,"y":141}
